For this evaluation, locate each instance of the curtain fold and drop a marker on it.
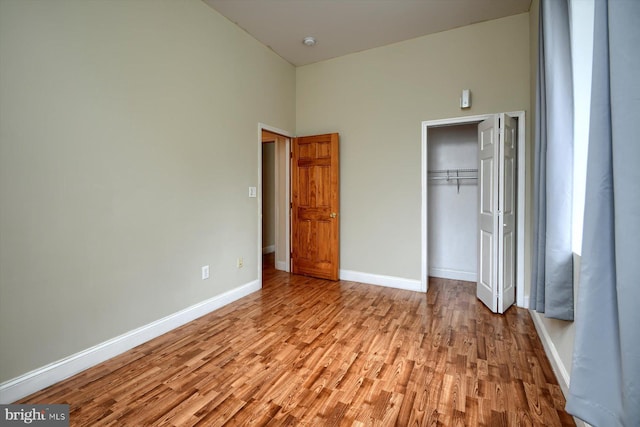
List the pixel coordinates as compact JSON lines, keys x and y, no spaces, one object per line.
{"x":552,"y":276}
{"x":605,"y":376}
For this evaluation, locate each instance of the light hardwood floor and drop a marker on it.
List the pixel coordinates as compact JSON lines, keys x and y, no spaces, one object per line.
{"x":310,"y":352}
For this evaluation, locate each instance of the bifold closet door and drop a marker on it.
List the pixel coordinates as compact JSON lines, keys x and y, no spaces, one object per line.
{"x":507,"y":211}
{"x":496,"y":212}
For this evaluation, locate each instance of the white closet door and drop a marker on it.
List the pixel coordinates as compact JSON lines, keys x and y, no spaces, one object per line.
{"x":507,"y":213}
{"x":496,"y":212}
{"x":487,"y":288}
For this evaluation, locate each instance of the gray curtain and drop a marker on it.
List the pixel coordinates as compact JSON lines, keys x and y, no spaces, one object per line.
{"x":552,"y":277}
{"x":605,"y":375}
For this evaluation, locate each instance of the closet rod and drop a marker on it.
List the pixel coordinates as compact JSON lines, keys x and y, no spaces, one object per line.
{"x":452,"y":170}
{"x":451,"y":178}
{"x":453,"y":175}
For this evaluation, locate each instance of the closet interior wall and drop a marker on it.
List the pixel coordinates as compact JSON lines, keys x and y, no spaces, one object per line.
{"x":452,"y":202}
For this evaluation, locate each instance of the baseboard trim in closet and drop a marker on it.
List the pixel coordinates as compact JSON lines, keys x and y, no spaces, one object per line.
{"x":444,"y":273}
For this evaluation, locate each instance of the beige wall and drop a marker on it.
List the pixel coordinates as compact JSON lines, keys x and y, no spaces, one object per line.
{"x":128,"y":142}
{"x":377,"y":99}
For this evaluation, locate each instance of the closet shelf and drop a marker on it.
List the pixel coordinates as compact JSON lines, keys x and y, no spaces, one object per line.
{"x":452,"y":175}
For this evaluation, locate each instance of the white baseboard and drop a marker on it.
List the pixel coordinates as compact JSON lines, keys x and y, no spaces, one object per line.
{"x":554,"y":357}
{"x":445,"y":273}
{"x":552,"y":353}
{"x":380,"y":280}
{"x":36,"y":380}
{"x":268,"y":249}
{"x":281,"y":265}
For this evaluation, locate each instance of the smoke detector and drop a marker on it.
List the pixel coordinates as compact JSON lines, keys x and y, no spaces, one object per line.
{"x":309,"y":41}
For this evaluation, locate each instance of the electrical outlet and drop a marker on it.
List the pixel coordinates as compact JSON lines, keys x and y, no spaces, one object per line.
{"x":205,"y":272}
{"x":240,"y":262}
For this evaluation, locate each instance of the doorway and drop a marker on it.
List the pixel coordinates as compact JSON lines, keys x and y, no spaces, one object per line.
{"x":269,"y":194}
{"x":520,"y":193}
{"x":274,"y":146}
{"x":452,"y":197}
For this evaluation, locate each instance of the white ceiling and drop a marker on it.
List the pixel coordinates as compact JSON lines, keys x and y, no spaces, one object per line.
{"x":346,"y":26}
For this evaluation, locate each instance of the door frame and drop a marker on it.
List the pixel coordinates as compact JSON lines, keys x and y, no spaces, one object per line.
{"x":279,"y":168}
{"x":520,"y":115}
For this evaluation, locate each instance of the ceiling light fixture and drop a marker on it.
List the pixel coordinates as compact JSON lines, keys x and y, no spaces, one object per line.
{"x":309,"y":41}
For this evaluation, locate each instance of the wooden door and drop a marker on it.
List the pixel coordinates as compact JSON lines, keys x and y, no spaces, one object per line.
{"x":315,"y":197}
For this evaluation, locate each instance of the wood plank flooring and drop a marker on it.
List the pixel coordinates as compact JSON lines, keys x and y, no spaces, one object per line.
{"x":310,"y":352}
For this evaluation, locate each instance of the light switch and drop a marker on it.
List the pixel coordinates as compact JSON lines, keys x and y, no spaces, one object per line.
{"x":252,"y":191}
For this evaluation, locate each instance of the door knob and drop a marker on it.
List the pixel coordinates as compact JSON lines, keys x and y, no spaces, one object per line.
{"x":333,"y":215}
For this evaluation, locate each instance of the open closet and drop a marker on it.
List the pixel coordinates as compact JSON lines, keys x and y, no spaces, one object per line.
{"x":473,"y":204}
{"x":452,"y":177}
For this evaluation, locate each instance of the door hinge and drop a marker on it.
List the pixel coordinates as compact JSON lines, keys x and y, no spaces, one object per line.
{"x":291,"y":154}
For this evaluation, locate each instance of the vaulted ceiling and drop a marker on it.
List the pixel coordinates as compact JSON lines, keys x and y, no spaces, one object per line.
{"x":346,"y":26}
